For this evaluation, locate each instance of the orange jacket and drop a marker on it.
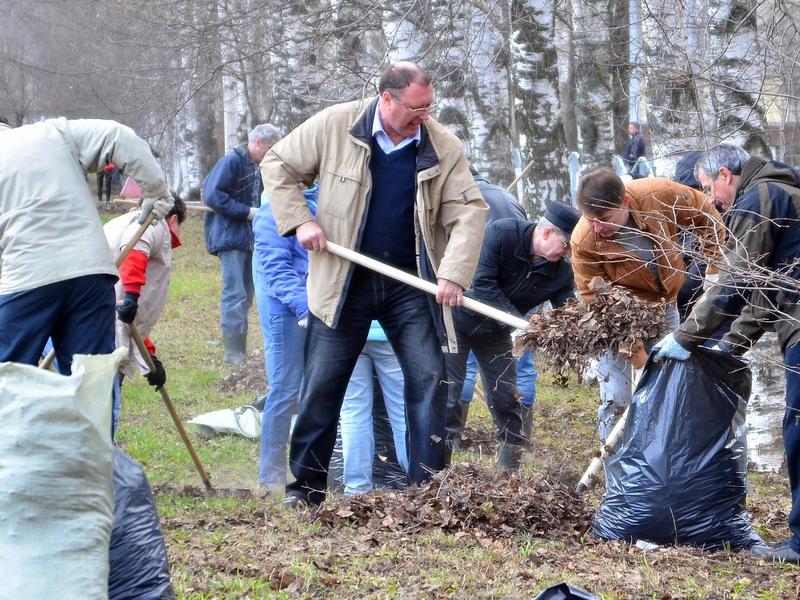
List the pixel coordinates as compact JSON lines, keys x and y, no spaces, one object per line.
{"x":660,"y":208}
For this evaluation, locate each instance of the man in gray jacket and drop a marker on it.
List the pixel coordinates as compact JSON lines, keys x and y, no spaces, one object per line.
{"x":56,"y":271}
{"x":394,"y":185}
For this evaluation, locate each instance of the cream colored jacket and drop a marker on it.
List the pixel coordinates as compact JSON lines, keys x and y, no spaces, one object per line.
{"x":49,"y":228}
{"x":334,"y":146}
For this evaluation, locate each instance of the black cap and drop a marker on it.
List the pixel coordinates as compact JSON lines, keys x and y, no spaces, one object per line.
{"x":563,"y":216}
{"x":684,"y":170}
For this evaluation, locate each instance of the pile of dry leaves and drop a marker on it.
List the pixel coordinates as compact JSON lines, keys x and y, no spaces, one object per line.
{"x":247,"y":377}
{"x":468,"y":499}
{"x":568,"y":338}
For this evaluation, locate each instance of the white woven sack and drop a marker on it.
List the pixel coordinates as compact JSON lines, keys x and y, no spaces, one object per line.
{"x":56,"y":494}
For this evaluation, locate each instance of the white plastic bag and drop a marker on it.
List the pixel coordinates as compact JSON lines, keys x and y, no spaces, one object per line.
{"x":56,"y":494}
{"x":244,"y":420}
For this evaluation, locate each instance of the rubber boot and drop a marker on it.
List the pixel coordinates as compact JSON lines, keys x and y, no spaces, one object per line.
{"x":235,"y":348}
{"x":526,"y":412}
{"x":509,"y":458}
{"x":455,"y":440}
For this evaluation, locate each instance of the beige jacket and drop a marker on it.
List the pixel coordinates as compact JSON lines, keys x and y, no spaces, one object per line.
{"x":334,"y":146}
{"x":156,"y":244}
{"x":49,"y":228}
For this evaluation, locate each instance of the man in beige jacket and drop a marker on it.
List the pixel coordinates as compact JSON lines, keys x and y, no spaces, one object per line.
{"x":394,"y":185}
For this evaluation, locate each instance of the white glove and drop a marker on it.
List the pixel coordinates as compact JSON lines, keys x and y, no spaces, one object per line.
{"x":158,"y":206}
{"x":252,"y":214}
{"x":303,"y":322}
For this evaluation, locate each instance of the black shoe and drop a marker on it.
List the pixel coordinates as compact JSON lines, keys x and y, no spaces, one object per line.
{"x":784,"y":553}
{"x":295,"y":501}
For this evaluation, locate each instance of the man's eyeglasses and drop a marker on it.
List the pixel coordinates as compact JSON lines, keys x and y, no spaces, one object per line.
{"x":415,"y":109}
{"x":707,"y":188}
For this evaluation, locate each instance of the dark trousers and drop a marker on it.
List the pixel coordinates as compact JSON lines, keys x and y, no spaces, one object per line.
{"x":498,"y":370}
{"x":791,"y":437}
{"x":104,"y":184}
{"x":330,"y":356}
{"x":78,"y":314}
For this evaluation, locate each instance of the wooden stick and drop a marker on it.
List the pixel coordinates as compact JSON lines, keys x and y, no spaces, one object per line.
{"x":197,"y":207}
{"x":590,"y":476}
{"x":425,"y":286}
{"x":48,"y":360}
{"x":137,"y":338}
{"x":521,"y":175}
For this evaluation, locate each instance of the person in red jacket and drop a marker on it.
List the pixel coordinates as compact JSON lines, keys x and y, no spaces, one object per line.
{"x":143,"y":285}
{"x":105,"y":176}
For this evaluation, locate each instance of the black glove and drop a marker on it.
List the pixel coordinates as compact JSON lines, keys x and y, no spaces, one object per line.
{"x":157,"y":377}
{"x":126,"y":310}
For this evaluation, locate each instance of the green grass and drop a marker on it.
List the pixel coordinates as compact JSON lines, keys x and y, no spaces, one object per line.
{"x":244,"y":548}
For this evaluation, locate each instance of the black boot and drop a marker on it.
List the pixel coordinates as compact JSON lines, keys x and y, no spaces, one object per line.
{"x":526,"y":412}
{"x":509,"y":458}
{"x":235,"y":348}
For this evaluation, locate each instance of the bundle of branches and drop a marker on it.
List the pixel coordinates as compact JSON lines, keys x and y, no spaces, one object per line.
{"x":569,"y":337}
{"x":468,"y":499}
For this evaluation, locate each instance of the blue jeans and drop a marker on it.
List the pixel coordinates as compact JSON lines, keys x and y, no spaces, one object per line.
{"x":331,"y":354}
{"x":237,"y":290}
{"x":283,"y":355}
{"x":358,"y":440}
{"x":791,"y":437}
{"x":78,"y":314}
{"x":616,"y":378}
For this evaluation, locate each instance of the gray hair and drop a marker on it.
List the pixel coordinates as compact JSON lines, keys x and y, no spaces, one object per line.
{"x":543,"y":224}
{"x":730,"y":156}
{"x":266,"y":132}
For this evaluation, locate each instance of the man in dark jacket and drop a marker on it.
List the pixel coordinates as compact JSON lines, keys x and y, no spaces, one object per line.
{"x":634,"y":149}
{"x":233,"y":189}
{"x":521,"y":266}
{"x":758,"y":284}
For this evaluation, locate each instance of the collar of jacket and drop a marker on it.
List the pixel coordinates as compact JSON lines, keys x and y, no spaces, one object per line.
{"x":750,"y":170}
{"x":361,"y":129}
{"x":241,"y":150}
{"x":524,"y":249}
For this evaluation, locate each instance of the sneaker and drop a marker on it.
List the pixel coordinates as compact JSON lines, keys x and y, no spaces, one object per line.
{"x":784,"y":553}
{"x":295,"y":501}
{"x":264,"y":490}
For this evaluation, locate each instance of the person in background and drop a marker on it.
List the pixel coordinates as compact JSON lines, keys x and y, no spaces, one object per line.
{"x":57,"y":272}
{"x":233,"y":189}
{"x":634,"y":150}
{"x":356,"y":420}
{"x":280,"y":265}
{"x":105,"y":177}
{"x":394,"y":185}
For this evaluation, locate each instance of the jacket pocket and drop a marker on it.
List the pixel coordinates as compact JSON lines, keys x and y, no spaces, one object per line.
{"x":339,"y":190}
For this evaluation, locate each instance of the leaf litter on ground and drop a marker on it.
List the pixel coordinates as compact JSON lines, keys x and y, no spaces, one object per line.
{"x":467,"y":499}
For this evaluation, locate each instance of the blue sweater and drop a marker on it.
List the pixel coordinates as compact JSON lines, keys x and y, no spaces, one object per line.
{"x":281,"y":262}
{"x":389,"y":231}
{"x":231,"y":188}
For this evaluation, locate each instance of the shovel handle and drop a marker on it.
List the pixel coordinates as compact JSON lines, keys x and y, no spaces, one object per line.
{"x":137,"y":338}
{"x":425,"y":286}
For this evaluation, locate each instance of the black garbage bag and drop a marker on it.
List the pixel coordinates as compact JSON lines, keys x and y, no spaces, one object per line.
{"x":138,"y":564}
{"x":564,"y":591}
{"x":678,"y":474}
{"x":386,"y":470}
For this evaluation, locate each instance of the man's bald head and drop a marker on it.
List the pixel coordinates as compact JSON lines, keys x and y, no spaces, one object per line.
{"x":402,"y":74}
